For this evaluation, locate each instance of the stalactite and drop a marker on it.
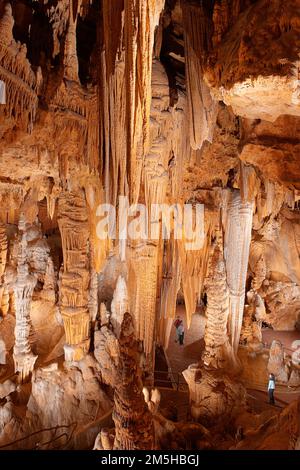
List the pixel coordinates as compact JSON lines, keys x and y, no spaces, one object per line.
{"x":23,"y":289}
{"x":99,"y":246}
{"x":202,"y":107}
{"x":141,"y":18}
{"x":126,"y":87}
{"x":225,"y":14}
{"x":93,"y":295}
{"x":170,"y":286}
{"x":119,"y":305}
{"x":15,"y":71}
{"x":236,"y":251}
{"x":114,"y":128}
{"x":194,"y":267}
{"x":49,"y":288}
{"x":51,"y":202}
{"x":70,"y":53}
{"x":74,"y":228}
{"x":142,"y":288}
{"x":75,"y":112}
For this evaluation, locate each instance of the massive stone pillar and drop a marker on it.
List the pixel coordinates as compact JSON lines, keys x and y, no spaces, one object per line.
{"x":236,"y":251}
{"x":23,"y":289}
{"x":74,"y":295}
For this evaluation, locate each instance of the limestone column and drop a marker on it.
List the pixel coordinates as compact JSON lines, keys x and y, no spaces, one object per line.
{"x":236,"y":251}
{"x":23,"y":289}
{"x":75,"y":278}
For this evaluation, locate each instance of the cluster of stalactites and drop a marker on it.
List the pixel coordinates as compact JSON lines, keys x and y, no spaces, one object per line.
{"x":202,"y":106}
{"x":21,"y":83}
{"x":126,"y":75}
{"x":225,"y":13}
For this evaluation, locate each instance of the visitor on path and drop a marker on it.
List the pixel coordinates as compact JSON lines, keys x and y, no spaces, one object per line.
{"x":271,"y":388}
{"x":180,"y":330}
{"x":177,"y":322}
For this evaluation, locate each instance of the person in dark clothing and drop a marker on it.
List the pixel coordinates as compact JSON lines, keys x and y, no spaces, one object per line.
{"x":180,"y":330}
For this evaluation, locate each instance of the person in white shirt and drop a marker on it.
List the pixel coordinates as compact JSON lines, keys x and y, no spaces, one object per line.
{"x":271,"y":388}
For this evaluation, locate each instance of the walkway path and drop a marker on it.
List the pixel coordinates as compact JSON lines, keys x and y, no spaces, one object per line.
{"x":180,"y":357}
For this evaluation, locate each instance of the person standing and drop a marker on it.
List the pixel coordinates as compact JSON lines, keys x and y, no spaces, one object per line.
{"x":271,"y":388}
{"x":180,"y":330}
{"x":177,"y":322}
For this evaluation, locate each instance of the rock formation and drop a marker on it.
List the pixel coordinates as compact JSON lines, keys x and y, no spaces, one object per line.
{"x":149,"y":163}
{"x":118,"y":356}
{"x":23,"y":291}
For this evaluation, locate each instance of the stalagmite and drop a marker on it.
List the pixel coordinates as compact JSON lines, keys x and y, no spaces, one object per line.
{"x":236,"y":251}
{"x":251,"y":335}
{"x":119,"y":361}
{"x":24,"y":359}
{"x":214,"y":397}
{"x":218,"y":352}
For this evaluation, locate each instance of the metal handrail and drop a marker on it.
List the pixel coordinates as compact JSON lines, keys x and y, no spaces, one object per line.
{"x":170,"y":375}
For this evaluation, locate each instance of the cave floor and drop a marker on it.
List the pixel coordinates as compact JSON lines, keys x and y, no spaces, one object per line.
{"x":180,"y":357}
